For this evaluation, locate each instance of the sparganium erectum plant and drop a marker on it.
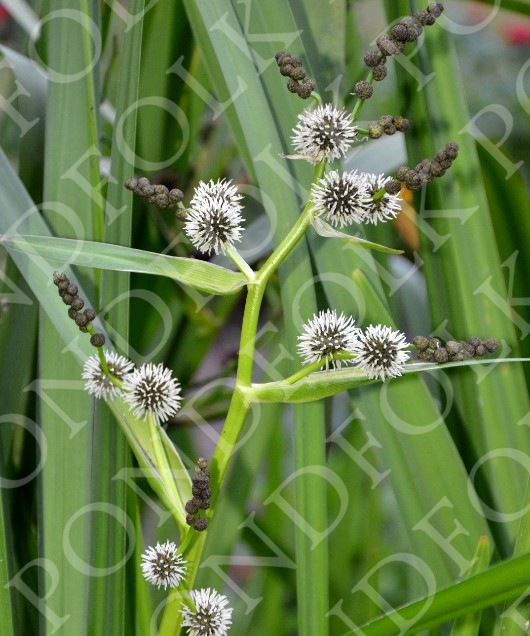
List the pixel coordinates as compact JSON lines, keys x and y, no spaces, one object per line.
{"x":334,"y":351}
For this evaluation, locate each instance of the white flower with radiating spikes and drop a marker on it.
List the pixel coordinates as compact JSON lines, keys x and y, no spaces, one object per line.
{"x":151,"y":390}
{"x":384,"y":208}
{"x":342,"y":198}
{"x":98,"y":382}
{"x":380,"y":352}
{"x":163,"y":565}
{"x":211,"y":617}
{"x":327,"y":334}
{"x":214,"y":217}
{"x":326,"y":132}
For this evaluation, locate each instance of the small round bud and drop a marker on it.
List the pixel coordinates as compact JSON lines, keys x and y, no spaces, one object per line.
{"x":363,"y":90}
{"x":175,"y":196}
{"x":161,"y":189}
{"x":161,"y":201}
{"x":401,"y":123}
{"x":491,"y":344}
{"x":97,"y":340}
{"x":190,"y":519}
{"x":402,"y":173}
{"x":451,"y":150}
{"x":413,"y":181}
{"x":390,"y":129}
{"x":286,"y":70}
{"x":421,"y":17}
{"x":90,"y":314}
{"x":421,"y":342}
{"x":143,"y":183}
{"x":72,"y":313}
{"x":386,"y":120}
{"x":453,"y":347}
{"x":304,"y":90}
{"x":67,"y":298}
{"x":387,"y":45}
{"x":200,"y":524}
{"x":78,"y":303}
{"x":459,"y":357}
{"x":429,"y":20}
{"x":59,"y":277}
{"x":280,"y":55}
{"x":203,"y":503}
{"x":435,"y":9}
{"x":379,"y":72}
{"x":440,"y":156}
{"x":436,"y":169}
{"x":131,"y":184}
{"x":375,"y":130}
{"x":63,"y":285}
{"x":83,"y":329}
{"x":441,"y":356}
{"x":434,"y":343}
{"x":423,"y":166}
{"x":474,"y":341}
{"x":72,"y":289}
{"x":399,"y":33}
{"x":425,"y":356}
{"x":296,"y":62}
{"x":393,"y":187}
{"x":480,"y":350}
{"x":445,"y":165}
{"x":191,"y":507}
{"x":292,"y":85}
{"x":202,"y":464}
{"x":372,"y":58}
{"x":298,"y":73}
{"x":469,"y":350}
{"x":287,"y":59}
{"x":425,"y":177}
{"x":81,"y":321}
{"x":413,"y":28}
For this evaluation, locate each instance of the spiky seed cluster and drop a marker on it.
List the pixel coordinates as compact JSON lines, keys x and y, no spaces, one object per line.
{"x":158,"y":195}
{"x":326,"y":132}
{"x":214,"y":218}
{"x":151,"y":390}
{"x":428,"y":169}
{"x":98,"y":382}
{"x":202,"y":494}
{"x":83,"y":319}
{"x":163,"y":566}
{"x":291,"y":67}
{"x":380,"y":352}
{"x":407,"y":30}
{"x":326,"y":335}
{"x":383,"y":205}
{"x":432,"y":350}
{"x":342,"y":198}
{"x":211,"y":616}
{"x":387,"y":125}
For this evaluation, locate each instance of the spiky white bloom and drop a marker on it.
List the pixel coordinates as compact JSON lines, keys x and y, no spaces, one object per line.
{"x":163,"y":565}
{"x":324,"y":133}
{"x":214,"y":217}
{"x":380,"y":352}
{"x":342,"y":198}
{"x":98,"y":382}
{"x":327,"y":334}
{"x":386,"y":207}
{"x":151,"y":390}
{"x":211,"y":617}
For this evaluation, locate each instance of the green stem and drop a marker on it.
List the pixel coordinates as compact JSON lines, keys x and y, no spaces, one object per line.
{"x":317,"y":98}
{"x":315,"y":366}
{"x":239,"y":261}
{"x":103,"y":361}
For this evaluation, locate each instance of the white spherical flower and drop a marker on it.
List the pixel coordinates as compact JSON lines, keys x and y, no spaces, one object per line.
{"x":325,"y":335}
{"x":324,"y":133}
{"x":380,"y":352}
{"x":151,"y":390}
{"x":98,"y":382}
{"x":211,"y":617}
{"x":342,"y":198}
{"x":214,"y":217}
{"x":163,"y":565}
{"x":386,"y":207}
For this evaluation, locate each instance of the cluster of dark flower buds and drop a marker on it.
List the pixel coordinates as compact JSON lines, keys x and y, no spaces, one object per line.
{"x":387,"y":125}
{"x":291,"y":67}
{"x":157,"y":195}
{"x":68,"y":292}
{"x":429,"y":169}
{"x":431,"y":349}
{"x":407,"y":30}
{"x":200,"y":489}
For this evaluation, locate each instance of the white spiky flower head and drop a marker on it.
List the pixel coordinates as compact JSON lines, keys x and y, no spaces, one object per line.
{"x":214,"y":217}
{"x":98,"y":382}
{"x":386,"y":207}
{"x":163,"y":566}
{"x":342,"y":198}
{"x":326,"y":132}
{"x":211,"y":617}
{"x":152,"y":390}
{"x":380,"y":352}
{"x":327,"y":334}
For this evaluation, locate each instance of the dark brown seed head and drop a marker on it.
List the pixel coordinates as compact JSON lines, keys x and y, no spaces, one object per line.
{"x":78,"y":303}
{"x":200,"y":524}
{"x":372,"y":58}
{"x":97,"y":340}
{"x":379,"y":72}
{"x":363,"y":90}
